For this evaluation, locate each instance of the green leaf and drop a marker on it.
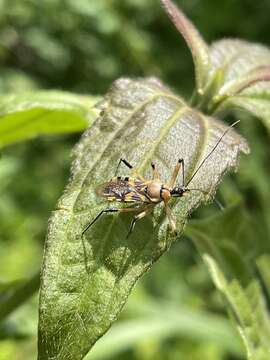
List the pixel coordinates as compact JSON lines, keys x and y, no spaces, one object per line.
{"x":263,"y":264}
{"x":236,"y":58}
{"x":260,"y":74}
{"x":198,"y":47}
{"x":244,"y":82}
{"x":231,"y":74}
{"x":43,"y":113}
{"x":86,"y":283}
{"x":249,"y":311}
{"x":229,"y":255}
{"x":15,"y":293}
{"x":161,"y":321}
{"x":233,"y":247}
{"x":255,"y":100}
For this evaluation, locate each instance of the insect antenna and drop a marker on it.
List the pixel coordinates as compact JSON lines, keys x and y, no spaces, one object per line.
{"x":211,"y":152}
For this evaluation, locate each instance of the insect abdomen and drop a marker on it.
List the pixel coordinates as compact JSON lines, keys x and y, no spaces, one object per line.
{"x":118,"y":189}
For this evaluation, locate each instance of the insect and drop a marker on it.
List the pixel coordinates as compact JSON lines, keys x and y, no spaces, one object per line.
{"x":146,"y":194}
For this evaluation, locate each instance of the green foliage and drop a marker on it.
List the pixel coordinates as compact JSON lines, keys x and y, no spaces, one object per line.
{"x":160,"y":320}
{"x":43,"y":113}
{"x":25,"y":116}
{"x":249,"y":312}
{"x":230,"y":256}
{"x":93,"y":283}
{"x":15,"y":293}
{"x":250,"y":91}
{"x":263,"y":264}
{"x":232,"y":69}
{"x":230,"y":74}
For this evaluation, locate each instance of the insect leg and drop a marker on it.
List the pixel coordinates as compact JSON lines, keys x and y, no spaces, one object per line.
{"x":175,"y":173}
{"x":97,"y":217}
{"x":86,"y":228}
{"x":155,"y":174}
{"x":124,"y":161}
{"x":170,"y":217}
{"x":138,"y":217}
{"x":107,"y":211}
{"x":92,"y":222}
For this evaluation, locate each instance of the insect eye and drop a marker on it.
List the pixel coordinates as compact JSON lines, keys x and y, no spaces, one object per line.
{"x":146,"y":189}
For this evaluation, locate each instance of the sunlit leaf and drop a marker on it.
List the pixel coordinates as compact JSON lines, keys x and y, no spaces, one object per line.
{"x":230,"y":74}
{"x":28,"y":115}
{"x":237,"y":58}
{"x":243,"y":79}
{"x":260,"y":74}
{"x":254,"y":100}
{"x":85,"y":287}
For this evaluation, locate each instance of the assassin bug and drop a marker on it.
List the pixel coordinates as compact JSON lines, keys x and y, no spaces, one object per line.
{"x":146,"y":194}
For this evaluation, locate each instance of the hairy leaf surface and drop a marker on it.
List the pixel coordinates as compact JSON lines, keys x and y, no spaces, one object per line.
{"x":237,"y":58}
{"x":241,"y":74}
{"x":86,"y":283}
{"x":255,"y":100}
{"x":43,"y":113}
{"x":245,"y":80}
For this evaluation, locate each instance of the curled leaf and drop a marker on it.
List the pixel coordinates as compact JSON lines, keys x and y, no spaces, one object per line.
{"x":86,"y":283}
{"x":194,"y":40}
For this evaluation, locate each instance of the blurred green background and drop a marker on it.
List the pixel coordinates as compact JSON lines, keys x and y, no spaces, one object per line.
{"x":82,"y":46}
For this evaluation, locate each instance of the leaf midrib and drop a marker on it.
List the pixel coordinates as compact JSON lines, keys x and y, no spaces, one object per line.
{"x":96,"y":162}
{"x":125,"y":123}
{"x":162,"y":133}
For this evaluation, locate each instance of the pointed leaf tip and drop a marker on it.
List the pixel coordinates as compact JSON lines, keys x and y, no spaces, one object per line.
{"x":196,"y":44}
